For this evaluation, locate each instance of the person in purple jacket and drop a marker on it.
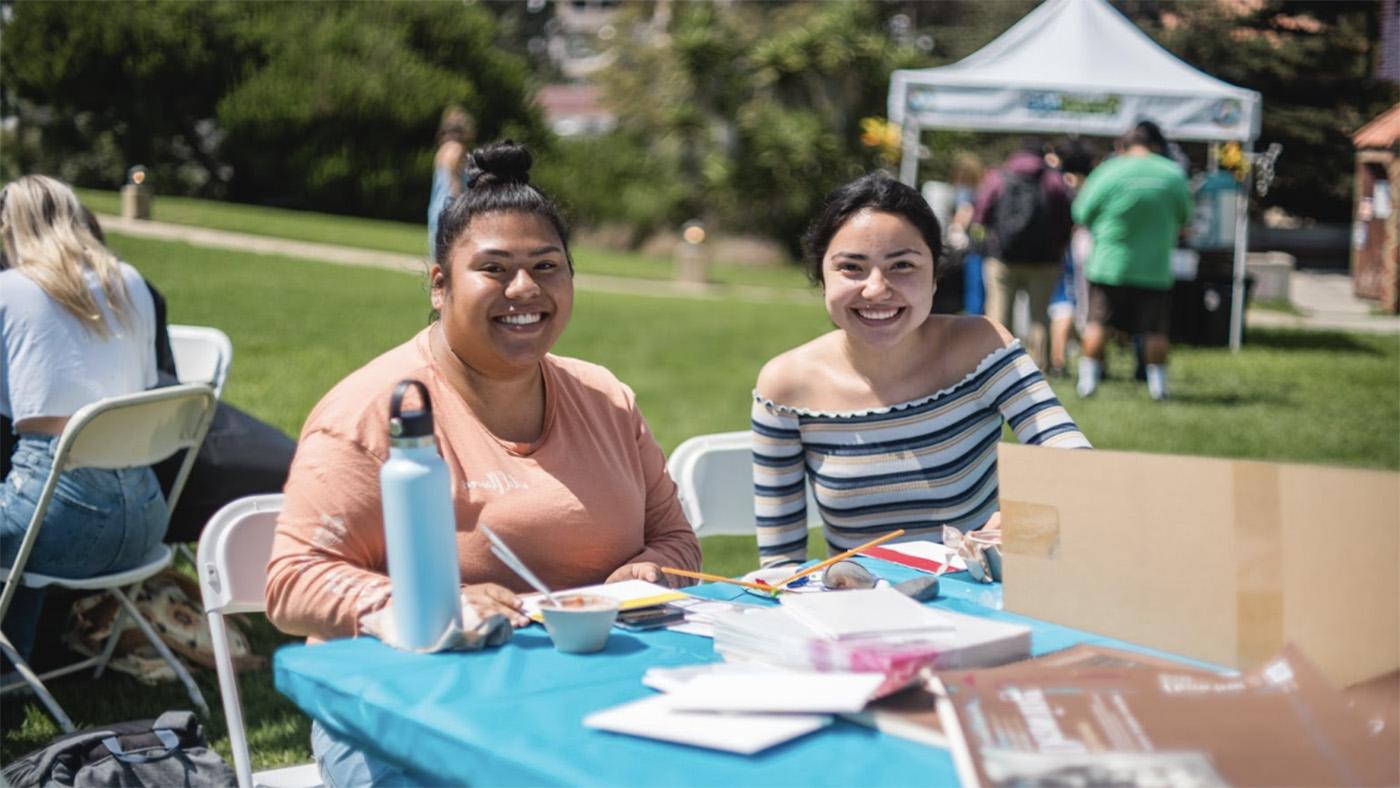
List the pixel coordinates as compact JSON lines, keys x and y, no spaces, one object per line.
{"x":1023,"y":210}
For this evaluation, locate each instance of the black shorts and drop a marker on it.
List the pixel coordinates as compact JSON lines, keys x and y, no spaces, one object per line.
{"x":1136,"y":310}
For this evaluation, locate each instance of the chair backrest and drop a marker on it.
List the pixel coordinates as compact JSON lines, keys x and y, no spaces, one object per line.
{"x":233,"y":552}
{"x":232,"y":564}
{"x":714,"y":480}
{"x":139,"y":429}
{"x":130,"y":431}
{"x":202,"y":355}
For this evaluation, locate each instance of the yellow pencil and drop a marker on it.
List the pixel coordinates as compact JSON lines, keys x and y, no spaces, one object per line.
{"x":843,"y":556}
{"x":715,"y":578}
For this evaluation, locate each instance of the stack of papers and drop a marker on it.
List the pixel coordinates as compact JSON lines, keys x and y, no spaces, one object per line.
{"x":874,"y":631}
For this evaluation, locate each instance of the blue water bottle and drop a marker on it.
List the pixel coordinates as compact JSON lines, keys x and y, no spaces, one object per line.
{"x":420,"y":531}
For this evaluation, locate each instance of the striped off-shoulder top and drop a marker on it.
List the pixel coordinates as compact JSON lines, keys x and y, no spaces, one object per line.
{"x":918,"y":465}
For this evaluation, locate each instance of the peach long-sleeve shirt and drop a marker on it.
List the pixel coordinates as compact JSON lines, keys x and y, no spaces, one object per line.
{"x":590,"y":495}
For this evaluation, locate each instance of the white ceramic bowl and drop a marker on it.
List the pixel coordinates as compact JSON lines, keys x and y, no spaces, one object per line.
{"x":581,"y":625}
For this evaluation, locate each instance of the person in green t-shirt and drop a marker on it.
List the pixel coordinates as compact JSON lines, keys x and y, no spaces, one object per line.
{"x":1135,"y":205}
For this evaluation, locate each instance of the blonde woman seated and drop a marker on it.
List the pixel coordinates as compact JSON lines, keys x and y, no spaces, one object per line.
{"x":551,"y":452}
{"x":895,"y":415}
{"x":76,"y":326}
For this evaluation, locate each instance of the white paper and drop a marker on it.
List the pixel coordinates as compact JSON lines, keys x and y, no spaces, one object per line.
{"x":672,"y":679}
{"x":700,"y":615}
{"x":786,"y":692}
{"x":929,"y":551}
{"x":654,"y":718}
{"x":873,"y":612}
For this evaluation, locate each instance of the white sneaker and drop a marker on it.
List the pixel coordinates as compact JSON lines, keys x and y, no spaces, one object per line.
{"x":1157,"y":381}
{"x":1088,"y":377}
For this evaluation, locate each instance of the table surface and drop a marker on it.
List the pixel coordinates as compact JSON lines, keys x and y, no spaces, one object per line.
{"x":514,"y":715}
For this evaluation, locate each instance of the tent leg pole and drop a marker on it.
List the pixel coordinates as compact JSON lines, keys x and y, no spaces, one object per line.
{"x":1241,"y":252}
{"x":909,"y":151}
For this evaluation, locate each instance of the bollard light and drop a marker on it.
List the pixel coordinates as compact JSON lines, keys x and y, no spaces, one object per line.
{"x":136,"y":194}
{"x":693,"y":232}
{"x":690,"y":253}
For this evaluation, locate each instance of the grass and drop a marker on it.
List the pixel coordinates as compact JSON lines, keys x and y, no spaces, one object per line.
{"x":298,"y":327}
{"x":1275,"y":305}
{"x":410,"y":238}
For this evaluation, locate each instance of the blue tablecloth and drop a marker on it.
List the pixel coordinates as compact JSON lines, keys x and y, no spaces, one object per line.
{"x":513,"y":715}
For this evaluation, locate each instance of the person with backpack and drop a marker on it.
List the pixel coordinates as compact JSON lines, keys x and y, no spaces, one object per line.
{"x":1023,"y":209}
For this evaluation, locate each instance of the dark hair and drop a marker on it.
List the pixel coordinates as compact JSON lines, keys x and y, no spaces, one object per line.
{"x":1076,"y":155}
{"x":878,"y":192}
{"x":498,"y":181}
{"x":1147,"y":134}
{"x":1032,"y":144}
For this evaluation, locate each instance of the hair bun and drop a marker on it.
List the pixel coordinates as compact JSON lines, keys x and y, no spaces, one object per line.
{"x":499,"y":163}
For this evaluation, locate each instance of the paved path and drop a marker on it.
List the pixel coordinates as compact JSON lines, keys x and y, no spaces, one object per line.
{"x":346,"y":255}
{"x":1324,"y":298}
{"x":1326,"y":301}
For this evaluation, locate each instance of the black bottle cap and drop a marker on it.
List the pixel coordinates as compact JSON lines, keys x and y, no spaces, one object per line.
{"x":413,"y":423}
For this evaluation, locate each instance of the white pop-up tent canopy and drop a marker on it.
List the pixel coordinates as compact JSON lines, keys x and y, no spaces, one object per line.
{"x":1077,"y":66}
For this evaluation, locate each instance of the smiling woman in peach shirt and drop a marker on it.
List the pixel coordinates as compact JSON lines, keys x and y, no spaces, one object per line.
{"x":551,"y":452}
{"x":894,"y":416}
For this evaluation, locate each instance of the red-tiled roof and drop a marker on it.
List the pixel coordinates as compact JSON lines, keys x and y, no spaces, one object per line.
{"x":571,"y":100}
{"x":1382,"y":132}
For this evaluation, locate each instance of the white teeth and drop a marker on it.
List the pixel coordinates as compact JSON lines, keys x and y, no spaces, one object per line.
{"x":522,"y":320}
{"x":877,"y":314}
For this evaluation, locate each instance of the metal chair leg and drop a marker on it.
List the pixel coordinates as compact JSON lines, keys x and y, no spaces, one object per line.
{"x":111,"y":645}
{"x":170,"y":658}
{"x":22,"y":667}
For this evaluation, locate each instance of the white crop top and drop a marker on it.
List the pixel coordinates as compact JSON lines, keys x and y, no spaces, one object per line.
{"x":51,"y":366}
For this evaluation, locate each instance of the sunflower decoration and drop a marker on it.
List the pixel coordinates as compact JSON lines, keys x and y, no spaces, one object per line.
{"x":882,"y":135}
{"x":1232,"y":158}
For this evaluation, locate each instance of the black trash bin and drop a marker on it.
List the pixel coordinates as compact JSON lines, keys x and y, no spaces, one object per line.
{"x":1201,"y":310}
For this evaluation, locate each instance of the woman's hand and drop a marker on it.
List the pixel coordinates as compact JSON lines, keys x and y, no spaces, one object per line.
{"x":993,"y":523}
{"x":643,"y":570}
{"x":488,"y":598}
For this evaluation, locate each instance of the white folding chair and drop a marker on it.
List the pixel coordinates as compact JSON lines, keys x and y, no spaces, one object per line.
{"x":714,"y":480}
{"x":202,"y":355}
{"x":118,"y":432}
{"x":233,"y":553}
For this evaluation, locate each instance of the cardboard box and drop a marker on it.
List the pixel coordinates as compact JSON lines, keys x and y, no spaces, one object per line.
{"x":1221,"y":560}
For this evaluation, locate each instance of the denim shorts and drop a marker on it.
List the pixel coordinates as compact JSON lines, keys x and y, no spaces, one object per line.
{"x":343,"y":766}
{"x":98,"y":521}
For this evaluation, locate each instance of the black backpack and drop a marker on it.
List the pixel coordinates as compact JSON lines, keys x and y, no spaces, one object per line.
{"x":167,"y":751}
{"x":1022,"y":220}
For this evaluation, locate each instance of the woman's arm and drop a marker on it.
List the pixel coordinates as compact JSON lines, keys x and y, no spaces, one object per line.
{"x":668,"y":537}
{"x":328,"y":561}
{"x":1029,"y":405}
{"x":779,"y":485}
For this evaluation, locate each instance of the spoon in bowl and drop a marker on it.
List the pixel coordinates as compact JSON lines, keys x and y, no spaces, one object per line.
{"x":511,"y":560}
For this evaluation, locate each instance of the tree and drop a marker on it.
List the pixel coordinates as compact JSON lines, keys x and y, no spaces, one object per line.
{"x":331,"y":106}
{"x":1313,"y":63}
{"x":341,"y":113}
{"x":754,"y":109}
{"x":98,"y":87}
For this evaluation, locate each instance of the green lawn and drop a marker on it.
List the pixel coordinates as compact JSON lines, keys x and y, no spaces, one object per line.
{"x":411,"y":238}
{"x":298,"y":327}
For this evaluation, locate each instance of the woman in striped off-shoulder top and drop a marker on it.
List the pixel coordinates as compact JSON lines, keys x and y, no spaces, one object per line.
{"x":894,"y":416}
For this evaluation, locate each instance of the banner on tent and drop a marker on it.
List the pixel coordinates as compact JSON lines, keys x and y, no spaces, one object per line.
{"x":1097,"y":113}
